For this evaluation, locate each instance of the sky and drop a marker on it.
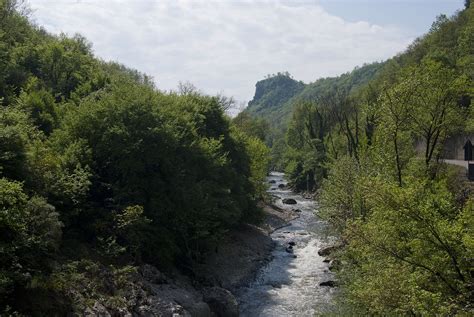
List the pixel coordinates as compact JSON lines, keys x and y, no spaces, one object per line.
{"x":225,"y":47}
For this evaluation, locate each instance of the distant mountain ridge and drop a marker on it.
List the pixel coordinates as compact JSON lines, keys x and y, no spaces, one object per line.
{"x":275,"y":95}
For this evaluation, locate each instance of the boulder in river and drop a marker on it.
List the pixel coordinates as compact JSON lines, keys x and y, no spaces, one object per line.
{"x":281,"y":186}
{"x":307,"y":195}
{"x":289,"y":249}
{"x":292,"y":243}
{"x":272,"y":181}
{"x":289,"y":201}
{"x":297,"y":210}
{"x":275,"y":284}
{"x":221,"y":302}
{"x":329,"y":249}
{"x":329,"y":283}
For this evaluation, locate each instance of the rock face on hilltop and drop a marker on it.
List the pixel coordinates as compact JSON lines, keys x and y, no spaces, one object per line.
{"x":271,"y":93}
{"x":276,"y":95}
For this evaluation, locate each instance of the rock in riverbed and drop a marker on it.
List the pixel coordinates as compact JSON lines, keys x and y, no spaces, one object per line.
{"x":328,"y":283}
{"x":329,"y":249}
{"x":221,"y":302}
{"x":289,"y":201}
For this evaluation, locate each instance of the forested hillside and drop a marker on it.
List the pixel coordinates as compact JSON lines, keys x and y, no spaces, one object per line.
{"x":276,"y":96}
{"x":373,"y":150}
{"x":100,"y":168}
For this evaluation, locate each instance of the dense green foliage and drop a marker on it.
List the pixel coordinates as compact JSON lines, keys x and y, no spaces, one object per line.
{"x":254,"y":132}
{"x":276,"y":100}
{"x":374,"y":151}
{"x":321,"y":124}
{"x":98,"y":166}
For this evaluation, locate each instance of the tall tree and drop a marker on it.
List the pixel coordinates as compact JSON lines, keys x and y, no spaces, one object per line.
{"x":434,"y":109}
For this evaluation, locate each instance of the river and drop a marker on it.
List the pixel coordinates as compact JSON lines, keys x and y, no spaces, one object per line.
{"x":288,"y":285}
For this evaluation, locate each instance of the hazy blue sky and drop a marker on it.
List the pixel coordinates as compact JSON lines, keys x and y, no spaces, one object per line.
{"x":226,"y":46}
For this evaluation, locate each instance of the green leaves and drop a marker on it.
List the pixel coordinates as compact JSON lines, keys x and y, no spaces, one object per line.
{"x":40,"y":104}
{"x":306,"y":151}
{"x":174,"y":155}
{"x":92,"y":151}
{"x":30,"y":233}
{"x":408,"y":237}
{"x":408,"y":247}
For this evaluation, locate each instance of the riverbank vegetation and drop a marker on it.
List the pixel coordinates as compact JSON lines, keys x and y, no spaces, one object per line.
{"x":98,"y":166}
{"x":406,"y":218}
{"x":370,"y":143}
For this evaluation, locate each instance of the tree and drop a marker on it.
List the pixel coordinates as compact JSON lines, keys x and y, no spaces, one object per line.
{"x":410,"y":255}
{"x":39,"y":103}
{"x":255,"y":127}
{"x":305,"y":154}
{"x":395,"y":122}
{"x":344,"y":113}
{"x":433,"y":103}
{"x":259,"y":162}
{"x":30,"y":233}
{"x":340,"y":194}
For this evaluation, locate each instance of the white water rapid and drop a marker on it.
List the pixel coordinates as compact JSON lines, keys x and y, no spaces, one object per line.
{"x":288,"y":285}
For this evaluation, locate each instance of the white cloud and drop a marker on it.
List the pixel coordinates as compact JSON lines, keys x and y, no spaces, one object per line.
{"x":221,"y":46}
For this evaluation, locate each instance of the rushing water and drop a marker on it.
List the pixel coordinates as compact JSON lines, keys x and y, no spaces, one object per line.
{"x":289,"y":286}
